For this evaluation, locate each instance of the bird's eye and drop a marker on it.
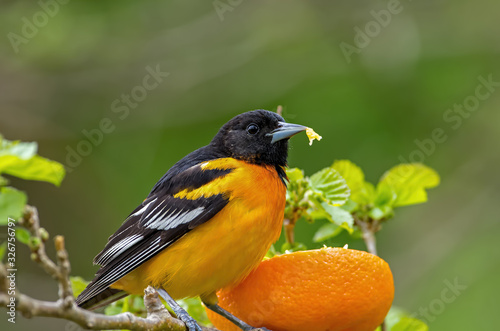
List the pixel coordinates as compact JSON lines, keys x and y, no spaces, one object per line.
{"x":253,"y":128}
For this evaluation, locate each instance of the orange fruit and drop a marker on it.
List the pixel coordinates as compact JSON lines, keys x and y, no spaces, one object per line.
{"x":328,"y":289}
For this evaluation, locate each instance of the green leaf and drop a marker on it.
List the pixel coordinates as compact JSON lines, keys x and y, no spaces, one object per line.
{"x":327,"y":231}
{"x":400,"y":320}
{"x":78,"y":284}
{"x":3,"y":181}
{"x":23,"y":235}
{"x":35,"y":168}
{"x":271,"y":252}
{"x":294,"y":174}
{"x":350,"y":206}
{"x":329,"y":185}
{"x":340,"y":219}
{"x":352,"y":174}
{"x":23,"y":150}
{"x":295,"y":247}
{"x":362,"y":193}
{"x":334,"y":214}
{"x":410,"y":324}
{"x":378,"y":213}
{"x":19,"y":159}
{"x":12,"y":204}
{"x":357,"y":233}
{"x":367,"y":195}
{"x":406,"y":184}
{"x":338,"y":215}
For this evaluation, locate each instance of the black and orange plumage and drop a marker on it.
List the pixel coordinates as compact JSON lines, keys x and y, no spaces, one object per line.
{"x":207,"y":222}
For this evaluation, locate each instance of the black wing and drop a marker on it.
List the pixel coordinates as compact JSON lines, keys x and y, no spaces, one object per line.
{"x":158,"y":222}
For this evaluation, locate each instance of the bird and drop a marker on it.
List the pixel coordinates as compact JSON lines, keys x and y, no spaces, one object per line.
{"x":206,"y":224}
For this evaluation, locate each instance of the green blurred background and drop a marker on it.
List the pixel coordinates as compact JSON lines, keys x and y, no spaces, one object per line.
{"x":62,"y":69}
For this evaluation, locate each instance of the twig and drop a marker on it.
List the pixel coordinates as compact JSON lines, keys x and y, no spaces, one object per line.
{"x":65,"y":291}
{"x":158,"y":318}
{"x":368,"y":230}
{"x":289,"y":230}
{"x":31,"y":222}
{"x":279,"y":110}
{"x":31,"y":307}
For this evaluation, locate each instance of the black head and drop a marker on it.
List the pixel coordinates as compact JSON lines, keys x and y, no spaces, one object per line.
{"x":257,"y":136}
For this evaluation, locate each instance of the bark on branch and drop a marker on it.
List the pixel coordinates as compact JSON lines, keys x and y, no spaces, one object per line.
{"x":368,"y":229}
{"x":158,"y":317}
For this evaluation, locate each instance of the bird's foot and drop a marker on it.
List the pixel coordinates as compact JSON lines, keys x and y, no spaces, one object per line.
{"x":239,"y":323}
{"x":183,"y":315}
{"x":191,"y":324}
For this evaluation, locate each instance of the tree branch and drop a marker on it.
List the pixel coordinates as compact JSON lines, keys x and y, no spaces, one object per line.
{"x":158,"y":317}
{"x":31,"y":222}
{"x":368,"y":235}
{"x":369,"y":228}
{"x":31,"y":307}
{"x":279,"y":110}
{"x":289,"y":227}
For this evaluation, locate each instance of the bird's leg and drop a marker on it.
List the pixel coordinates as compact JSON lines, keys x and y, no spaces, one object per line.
{"x":210,"y":301}
{"x":183,"y":315}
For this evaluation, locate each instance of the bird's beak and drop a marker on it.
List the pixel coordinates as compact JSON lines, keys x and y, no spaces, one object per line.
{"x":286,"y":130}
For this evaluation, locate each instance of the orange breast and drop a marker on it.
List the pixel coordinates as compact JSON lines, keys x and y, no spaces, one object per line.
{"x":225,"y":249}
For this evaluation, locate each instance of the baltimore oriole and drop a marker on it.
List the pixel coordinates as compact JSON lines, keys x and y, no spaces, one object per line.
{"x":206,"y":223}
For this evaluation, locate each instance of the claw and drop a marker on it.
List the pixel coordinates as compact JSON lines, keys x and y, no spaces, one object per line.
{"x":191,"y":324}
{"x":236,"y":321}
